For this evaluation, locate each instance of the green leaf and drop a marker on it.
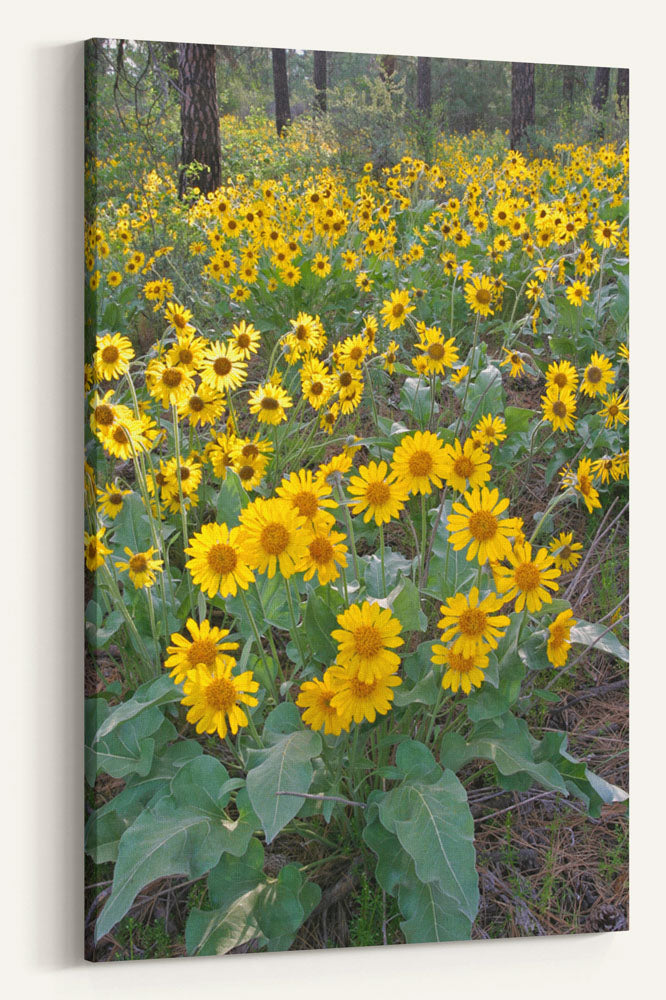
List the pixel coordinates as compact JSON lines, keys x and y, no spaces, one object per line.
{"x":184,"y":833}
{"x":216,"y":932}
{"x":395,"y":564}
{"x":485,"y":394}
{"x":506,"y":742}
{"x":131,"y":527}
{"x":589,"y":634}
{"x":415,"y":398}
{"x":405,"y":604}
{"x":284,"y":767}
{"x":416,"y":762}
{"x":424,"y":692}
{"x":228,"y":506}
{"x":533,"y":652}
{"x":160,"y":691}
{"x":488,"y":702}
{"x":319,"y":622}
{"x":131,"y":745}
{"x":434,"y":825}
{"x":517,"y":419}
{"x":429,"y":915}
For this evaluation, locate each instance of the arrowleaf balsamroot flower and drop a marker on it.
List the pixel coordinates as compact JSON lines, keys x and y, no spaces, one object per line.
{"x":356,"y":700}
{"x":419,"y":462}
{"x":141,"y":567}
{"x":216,"y":697}
{"x":479,"y":524}
{"x":273,"y":537}
{"x":559,"y":408}
{"x":598,"y":376}
{"x":95,"y":549}
{"x":217,"y":565}
{"x":269,"y":402}
{"x":465,"y":465}
{"x":463,"y":671}
{"x":315,"y":697}
{"x":113,"y":355}
{"x":559,"y":638}
{"x":206,"y":645}
{"x":377,"y":493}
{"x":565,"y":552}
{"x":366,"y":640}
{"x":528,"y":579}
{"x":473,"y":623}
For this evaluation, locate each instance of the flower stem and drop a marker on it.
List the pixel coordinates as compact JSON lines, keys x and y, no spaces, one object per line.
{"x":257,"y":637}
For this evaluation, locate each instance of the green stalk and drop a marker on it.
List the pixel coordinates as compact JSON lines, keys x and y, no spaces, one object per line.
{"x":115,"y":592}
{"x":381,"y":550}
{"x":257,"y":637}
{"x":292,"y":612}
{"x":350,"y":526}
{"x":183,"y":513}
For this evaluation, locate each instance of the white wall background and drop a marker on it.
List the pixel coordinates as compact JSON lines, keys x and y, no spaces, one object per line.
{"x":41,"y":869}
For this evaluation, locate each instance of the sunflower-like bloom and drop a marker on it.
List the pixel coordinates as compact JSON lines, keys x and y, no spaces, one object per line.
{"x":528,"y":579}
{"x":473,"y":623}
{"x":207,"y":644}
{"x":578,"y":292}
{"x":274,"y":537}
{"x":598,"y":376}
{"x":95,"y":549}
{"x":479,"y":295}
{"x":141,"y":567}
{"x":113,"y":355}
{"x":438,"y":352}
{"x":315,"y":697}
{"x":394,"y":310}
{"x":419,"y":462}
{"x":367,"y":636}
{"x":565,"y":552}
{"x":559,"y":408}
{"x":188,"y":351}
{"x":178,"y":317}
{"x":246,"y":339}
{"x":584,"y":484}
{"x":223,"y":367}
{"x":489,"y":430}
{"x":479,"y":524}
{"x":216,"y":563}
{"x":559,"y":638}
{"x":465,"y":465}
{"x":513,"y":359}
{"x":614,"y":410}
{"x":168,"y":383}
{"x":310,"y":496}
{"x":325,"y":552}
{"x":204,"y":406}
{"x":377,"y":493}
{"x":563,"y":375}
{"x":216,"y":696}
{"x":356,"y":700}
{"x":463,"y":671}
{"x":269,"y":403}
{"x":111,"y":500}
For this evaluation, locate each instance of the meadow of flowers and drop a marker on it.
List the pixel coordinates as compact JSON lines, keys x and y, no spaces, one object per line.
{"x":350,"y":443}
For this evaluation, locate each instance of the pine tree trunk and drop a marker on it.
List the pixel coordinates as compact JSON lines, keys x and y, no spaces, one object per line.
{"x":320,"y":80}
{"x":281,"y":90}
{"x":601,"y":85}
{"x":199,"y":117}
{"x":387,"y":66}
{"x":522,"y":101}
{"x":424,"y":85}
{"x":623,"y":89}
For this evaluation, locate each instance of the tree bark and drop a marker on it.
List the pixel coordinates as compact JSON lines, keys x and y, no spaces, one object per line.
{"x":601,"y":84}
{"x":199,"y":116}
{"x":281,"y":90}
{"x":424,"y":85}
{"x":387,"y":66}
{"x":568,"y":84}
{"x":320,"y":80}
{"x":522,"y":101}
{"x":623,"y":89}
